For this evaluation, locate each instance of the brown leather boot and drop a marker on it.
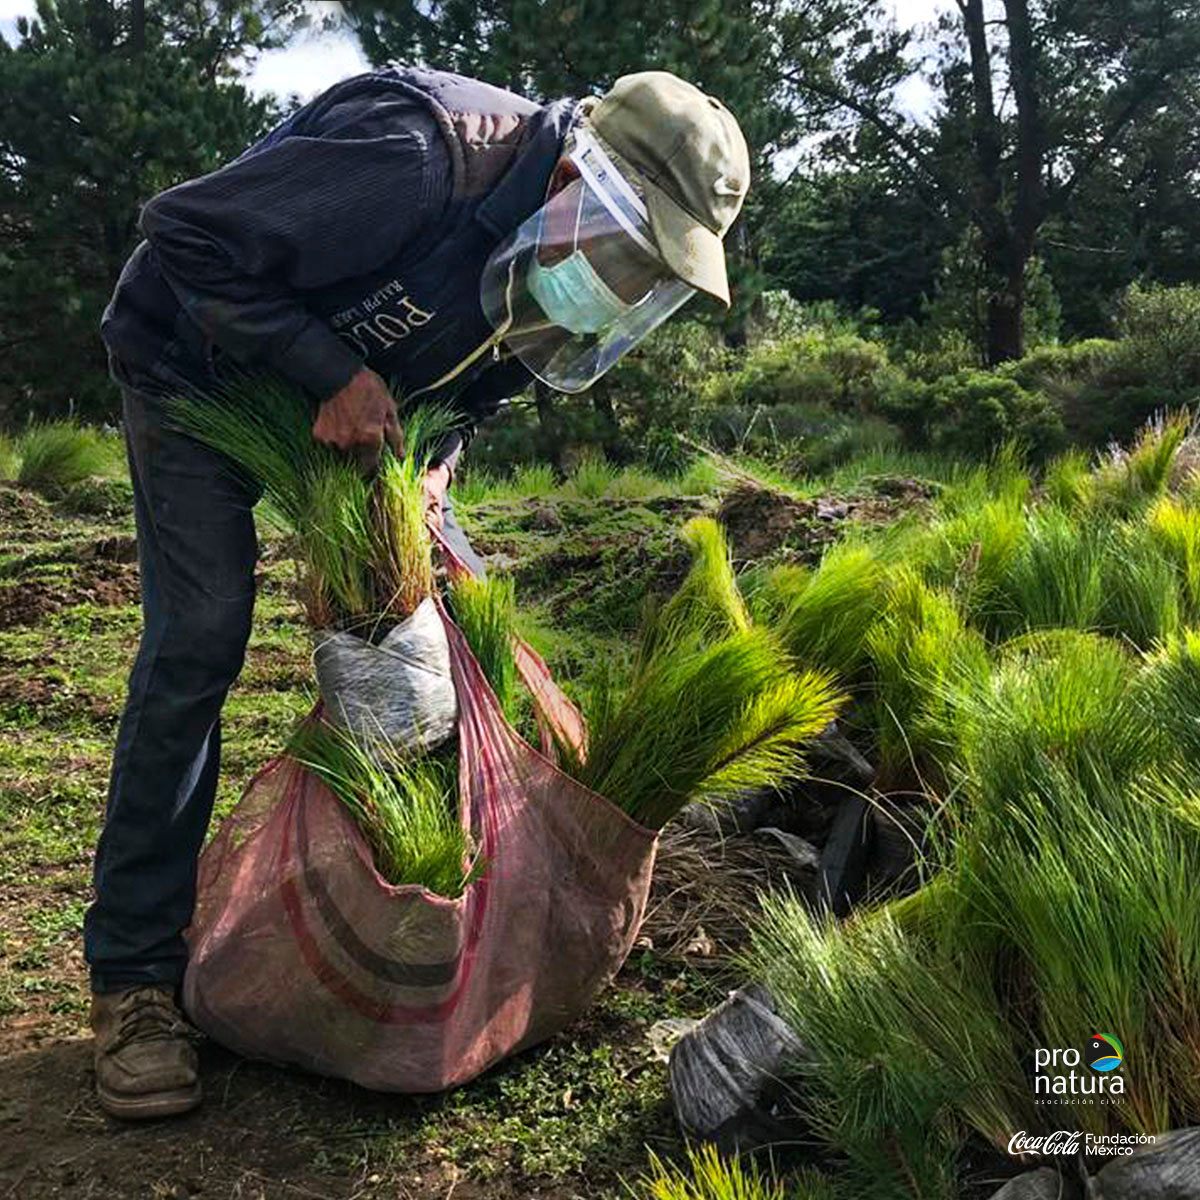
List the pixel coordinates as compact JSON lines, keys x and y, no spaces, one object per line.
{"x":145,"y":1061}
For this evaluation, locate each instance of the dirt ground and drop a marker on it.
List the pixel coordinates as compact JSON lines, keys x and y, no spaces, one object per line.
{"x":262,"y":1133}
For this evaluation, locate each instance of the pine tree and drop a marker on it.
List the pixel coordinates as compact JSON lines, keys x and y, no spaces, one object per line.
{"x":105,"y":104}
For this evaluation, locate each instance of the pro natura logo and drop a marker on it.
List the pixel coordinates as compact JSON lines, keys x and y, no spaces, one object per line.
{"x":1105,"y":1052}
{"x":1058,"y":1078}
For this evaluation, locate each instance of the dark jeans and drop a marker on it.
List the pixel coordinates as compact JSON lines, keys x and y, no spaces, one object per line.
{"x":197,"y":550}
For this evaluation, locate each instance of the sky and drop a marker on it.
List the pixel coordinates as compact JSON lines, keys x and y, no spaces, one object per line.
{"x":318,"y":58}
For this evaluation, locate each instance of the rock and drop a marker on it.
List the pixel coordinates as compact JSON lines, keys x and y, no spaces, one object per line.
{"x":726,"y":1075}
{"x":1042,"y":1184}
{"x":1168,"y":1170}
{"x":832,"y":510}
{"x":897,"y":840}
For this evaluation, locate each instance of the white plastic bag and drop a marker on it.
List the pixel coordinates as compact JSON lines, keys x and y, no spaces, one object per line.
{"x":399,"y":691}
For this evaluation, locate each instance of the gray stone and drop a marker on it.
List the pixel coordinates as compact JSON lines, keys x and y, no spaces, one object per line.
{"x":1168,"y":1170}
{"x":1042,"y":1184}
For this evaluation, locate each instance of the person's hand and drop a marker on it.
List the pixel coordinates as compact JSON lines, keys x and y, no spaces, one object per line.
{"x":359,"y":419}
{"x":437,"y":480}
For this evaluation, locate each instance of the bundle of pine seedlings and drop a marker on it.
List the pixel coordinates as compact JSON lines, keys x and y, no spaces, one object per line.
{"x":712,"y":708}
{"x":365,"y":561}
{"x":1064,"y":888}
{"x":362,"y":545}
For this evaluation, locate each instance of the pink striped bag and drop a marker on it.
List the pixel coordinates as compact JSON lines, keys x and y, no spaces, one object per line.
{"x":302,"y":954}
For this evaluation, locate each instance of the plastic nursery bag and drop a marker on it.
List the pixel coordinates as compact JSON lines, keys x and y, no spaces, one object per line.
{"x":399,"y":690}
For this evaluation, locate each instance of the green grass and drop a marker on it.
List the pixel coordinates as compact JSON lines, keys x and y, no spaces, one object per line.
{"x":55,"y":456}
{"x":405,"y":804}
{"x":591,"y":477}
{"x":1069,"y":483}
{"x":922,"y":655}
{"x":1133,"y":478}
{"x":703,"y":722}
{"x":706,"y":1176}
{"x":825,"y":623}
{"x":707,"y":606}
{"x":1175,"y":529}
{"x":904,"y":1047}
{"x":10,"y":457}
{"x":485,"y":610}
{"x":712,"y":707}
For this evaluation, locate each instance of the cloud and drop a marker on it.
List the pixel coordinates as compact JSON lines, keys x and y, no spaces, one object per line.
{"x":918,"y":12}
{"x":310,"y":64}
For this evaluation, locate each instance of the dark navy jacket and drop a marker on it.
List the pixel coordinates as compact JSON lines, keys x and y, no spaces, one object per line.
{"x":356,"y":232}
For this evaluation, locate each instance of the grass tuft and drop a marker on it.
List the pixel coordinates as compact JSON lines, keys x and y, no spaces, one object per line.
{"x":364,"y":547}
{"x":57,"y":455}
{"x":826,"y":623}
{"x":405,"y":804}
{"x":485,"y":610}
{"x":707,"y":606}
{"x":707,"y":1176}
{"x":703,"y":722}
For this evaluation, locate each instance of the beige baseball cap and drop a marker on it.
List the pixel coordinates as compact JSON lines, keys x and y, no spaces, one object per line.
{"x":692,"y":162}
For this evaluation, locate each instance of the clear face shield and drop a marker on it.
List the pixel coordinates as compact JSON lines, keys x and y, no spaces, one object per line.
{"x":581,"y":282}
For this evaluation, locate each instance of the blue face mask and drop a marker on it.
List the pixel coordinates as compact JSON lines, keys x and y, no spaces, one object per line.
{"x":573,"y":296}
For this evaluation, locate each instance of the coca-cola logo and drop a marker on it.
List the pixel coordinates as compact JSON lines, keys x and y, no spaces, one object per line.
{"x":1061,"y":1141}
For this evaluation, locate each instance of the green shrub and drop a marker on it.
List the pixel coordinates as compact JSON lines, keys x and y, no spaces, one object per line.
{"x":826,"y":369}
{"x":1161,"y":330}
{"x":59,"y":454}
{"x":927,"y":352}
{"x":707,"y":1176}
{"x":973,"y":413}
{"x":1059,"y":370}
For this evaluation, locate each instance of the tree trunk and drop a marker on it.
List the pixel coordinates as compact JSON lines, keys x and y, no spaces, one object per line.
{"x":610,"y":429}
{"x":549,"y":426}
{"x":137,"y":26}
{"x":1006,"y":321}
